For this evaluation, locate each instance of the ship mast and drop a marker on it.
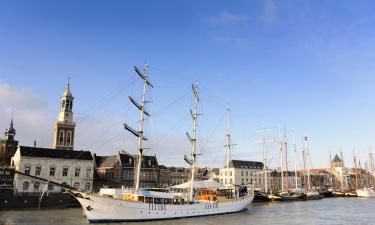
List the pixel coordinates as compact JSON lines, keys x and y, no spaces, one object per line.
{"x":286,"y":158}
{"x":304,"y":165}
{"x":228,"y":145}
{"x":330,"y":164}
{"x":281,"y":163}
{"x":193,"y":139}
{"x":307,"y":164}
{"x":295,"y":161}
{"x":343,"y":172}
{"x":356,"y":174}
{"x":139,"y":134}
{"x":371,"y":165}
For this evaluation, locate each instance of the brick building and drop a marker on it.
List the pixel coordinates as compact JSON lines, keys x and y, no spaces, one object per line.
{"x":118,"y":170}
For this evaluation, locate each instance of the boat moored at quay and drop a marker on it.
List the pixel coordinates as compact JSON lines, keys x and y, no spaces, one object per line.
{"x":192,"y":199}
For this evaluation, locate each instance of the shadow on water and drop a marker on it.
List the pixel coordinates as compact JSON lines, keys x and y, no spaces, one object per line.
{"x":325,"y":211}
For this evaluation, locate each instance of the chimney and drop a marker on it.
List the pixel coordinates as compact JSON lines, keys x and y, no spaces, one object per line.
{"x":35,"y":144}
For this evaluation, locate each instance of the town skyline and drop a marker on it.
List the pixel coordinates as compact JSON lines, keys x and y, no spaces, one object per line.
{"x":317,"y":83}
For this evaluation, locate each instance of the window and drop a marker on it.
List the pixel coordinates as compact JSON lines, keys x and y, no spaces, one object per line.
{"x":247,"y":173}
{"x":50,"y":187}
{"x":52,"y":171}
{"x":69,"y":138}
{"x":61,"y":137}
{"x":230,"y":180}
{"x":230,"y":173}
{"x":38,"y":170}
{"x":62,"y":104}
{"x":36,"y":186}
{"x":130,"y":161}
{"x":77,"y":171}
{"x":149,"y":162}
{"x":225,"y":173}
{"x":76,"y":184}
{"x":65,"y":172}
{"x":88,"y":172}
{"x":25,"y":186}
{"x":87,"y":186}
{"x":27,"y":169}
{"x":127,"y":175}
{"x":109,"y":175}
{"x":241,"y":172}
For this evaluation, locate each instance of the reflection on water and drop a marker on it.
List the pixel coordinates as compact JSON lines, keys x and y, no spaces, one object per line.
{"x":326,"y":211}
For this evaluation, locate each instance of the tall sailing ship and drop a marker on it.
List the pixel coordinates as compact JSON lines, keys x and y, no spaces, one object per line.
{"x":192,"y":199}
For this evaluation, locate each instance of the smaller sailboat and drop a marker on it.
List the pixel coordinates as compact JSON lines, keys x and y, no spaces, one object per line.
{"x":367,"y":192}
{"x":266,"y":195}
{"x":291,"y":194}
{"x":310,"y":194}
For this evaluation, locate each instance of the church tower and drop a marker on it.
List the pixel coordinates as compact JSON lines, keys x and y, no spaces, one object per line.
{"x":8,"y":146}
{"x":63,"y":137}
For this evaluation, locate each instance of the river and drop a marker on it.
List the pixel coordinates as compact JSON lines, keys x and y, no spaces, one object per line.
{"x":325,"y":211}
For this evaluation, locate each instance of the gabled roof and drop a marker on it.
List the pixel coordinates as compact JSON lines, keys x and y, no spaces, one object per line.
{"x":105,"y":161}
{"x":126,"y":159}
{"x":245,"y":164}
{"x":54,"y":153}
{"x":336,"y":159}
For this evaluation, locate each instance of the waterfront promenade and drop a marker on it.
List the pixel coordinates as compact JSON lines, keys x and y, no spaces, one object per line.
{"x":327,"y":211}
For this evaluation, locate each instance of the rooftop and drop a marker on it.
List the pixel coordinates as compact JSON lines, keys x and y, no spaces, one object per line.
{"x":54,"y":153}
{"x":245,"y":164}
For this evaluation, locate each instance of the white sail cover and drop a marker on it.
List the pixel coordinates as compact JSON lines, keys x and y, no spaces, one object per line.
{"x":209,"y":184}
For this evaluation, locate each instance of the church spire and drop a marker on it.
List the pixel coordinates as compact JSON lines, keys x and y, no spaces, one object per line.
{"x":10,"y":132}
{"x":65,"y":126}
{"x":67,"y":89}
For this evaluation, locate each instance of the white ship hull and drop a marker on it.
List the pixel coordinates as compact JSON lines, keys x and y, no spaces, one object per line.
{"x":366,"y":193}
{"x":106,"y":209}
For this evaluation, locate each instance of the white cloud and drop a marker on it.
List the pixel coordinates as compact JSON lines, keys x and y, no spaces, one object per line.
{"x":30,"y":120}
{"x":16,"y":99}
{"x":227,"y":18}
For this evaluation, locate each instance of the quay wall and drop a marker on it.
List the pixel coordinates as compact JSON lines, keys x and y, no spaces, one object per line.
{"x":55,"y":200}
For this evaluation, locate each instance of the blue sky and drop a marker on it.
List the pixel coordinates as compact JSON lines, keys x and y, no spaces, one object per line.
{"x":306,"y":65}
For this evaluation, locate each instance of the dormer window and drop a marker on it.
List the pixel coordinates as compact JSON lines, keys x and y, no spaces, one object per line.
{"x":149,"y":162}
{"x":130,"y":161}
